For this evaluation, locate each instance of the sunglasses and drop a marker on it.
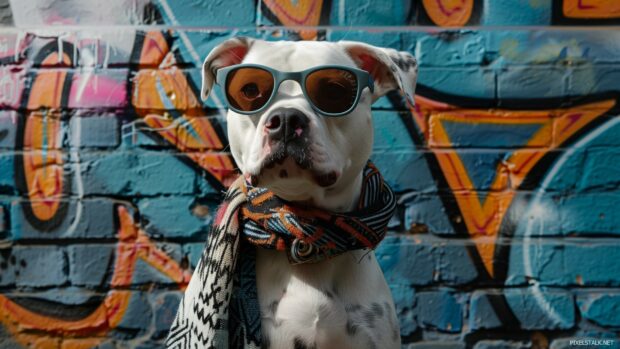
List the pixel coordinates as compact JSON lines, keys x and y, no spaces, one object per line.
{"x":332,"y":90}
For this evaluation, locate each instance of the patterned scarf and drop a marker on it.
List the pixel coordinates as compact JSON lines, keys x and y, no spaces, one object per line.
{"x":220,"y":306}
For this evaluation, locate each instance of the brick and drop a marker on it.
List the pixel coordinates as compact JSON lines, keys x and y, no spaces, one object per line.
{"x":93,"y":219}
{"x":454,"y":266}
{"x":138,"y":134}
{"x":33,"y":266}
{"x":457,"y":48}
{"x":138,"y":314}
{"x":371,"y":13}
{"x":601,"y":308}
{"x":539,"y":260}
{"x":501,"y":344}
{"x":8,"y":126}
{"x":436,"y":260}
{"x":236,"y":13}
{"x":607,"y":138}
{"x":136,"y":174}
{"x":404,"y":170}
{"x":569,"y":262}
{"x":572,"y":47}
{"x":192,"y":217}
{"x":6,"y":16}
{"x":379,"y":38}
{"x":202,"y":42}
{"x":104,"y":48}
{"x":193,"y":251}
{"x":551,"y":310}
{"x":192,"y":133}
{"x":13,"y":44}
{"x":598,"y":169}
{"x":396,"y":260}
{"x":558,"y":214}
{"x":100,"y":89}
{"x":145,"y":273}
{"x":570,"y":175}
{"x":390,"y":133}
{"x":12,"y":80}
{"x":591,"y":213}
{"x":535,"y":214}
{"x":593,"y":79}
{"x":66,"y":296}
{"x":525,"y":82}
{"x":164,"y":89}
{"x":427,"y":212}
{"x":439,"y":310}
{"x":94,"y":131}
{"x":165,"y":307}
{"x":7,"y":175}
{"x":514,"y":13}
{"x":471,"y":82}
{"x":89,"y":264}
{"x":404,"y":299}
{"x":483,"y":169}
{"x":79,"y":14}
{"x":466,"y":133}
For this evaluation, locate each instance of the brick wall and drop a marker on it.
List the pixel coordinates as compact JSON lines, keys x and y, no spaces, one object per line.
{"x":507,"y":233}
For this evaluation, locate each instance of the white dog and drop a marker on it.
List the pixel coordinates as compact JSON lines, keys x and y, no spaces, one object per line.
{"x":343,"y":302}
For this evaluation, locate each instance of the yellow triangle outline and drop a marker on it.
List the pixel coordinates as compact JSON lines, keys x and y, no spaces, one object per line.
{"x":483,"y":219}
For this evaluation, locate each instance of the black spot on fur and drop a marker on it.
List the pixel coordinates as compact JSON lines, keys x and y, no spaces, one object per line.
{"x":369,"y":317}
{"x":377,"y":309}
{"x":328,"y":294}
{"x":273,"y":307}
{"x":352,"y":308}
{"x":393,"y":324}
{"x":351,"y":328}
{"x":266,"y":342}
{"x":300,"y":344}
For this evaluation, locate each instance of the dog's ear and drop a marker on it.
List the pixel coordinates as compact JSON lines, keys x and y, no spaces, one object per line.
{"x":231,"y":51}
{"x":390,"y":69}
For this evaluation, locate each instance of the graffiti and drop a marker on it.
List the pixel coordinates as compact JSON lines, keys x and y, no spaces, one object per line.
{"x":483,"y":216}
{"x":111,"y":166}
{"x":304,"y":13}
{"x":105,"y":314}
{"x":591,"y":8}
{"x":586,"y":12}
{"x":191,"y":130}
{"x":449,"y":13}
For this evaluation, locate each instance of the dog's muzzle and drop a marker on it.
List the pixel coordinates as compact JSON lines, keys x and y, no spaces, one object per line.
{"x":287,"y":132}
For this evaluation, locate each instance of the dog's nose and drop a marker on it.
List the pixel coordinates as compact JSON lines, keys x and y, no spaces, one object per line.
{"x":286,"y":124}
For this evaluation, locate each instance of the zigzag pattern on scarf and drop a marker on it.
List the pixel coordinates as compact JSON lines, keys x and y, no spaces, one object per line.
{"x":220,"y":307}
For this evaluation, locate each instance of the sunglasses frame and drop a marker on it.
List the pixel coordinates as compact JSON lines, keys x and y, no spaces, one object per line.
{"x":363,"y":80}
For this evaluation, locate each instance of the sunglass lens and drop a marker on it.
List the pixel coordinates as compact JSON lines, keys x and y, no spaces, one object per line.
{"x":249,"y":88}
{"x":332,"y":90}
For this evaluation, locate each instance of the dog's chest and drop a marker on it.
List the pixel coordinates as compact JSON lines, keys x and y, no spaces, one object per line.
{"x":341,"y":303}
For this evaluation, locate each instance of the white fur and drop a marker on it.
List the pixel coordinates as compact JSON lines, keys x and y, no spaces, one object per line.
{"x":343,"y":302}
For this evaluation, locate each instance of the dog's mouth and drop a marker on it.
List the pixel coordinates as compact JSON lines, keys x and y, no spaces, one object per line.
{"x":285,"y":159}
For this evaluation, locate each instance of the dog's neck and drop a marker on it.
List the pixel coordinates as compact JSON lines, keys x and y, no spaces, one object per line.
{"x":342,"y":198}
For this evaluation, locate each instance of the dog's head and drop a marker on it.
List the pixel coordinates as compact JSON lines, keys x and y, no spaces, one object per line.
{"x":288,"y":147}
